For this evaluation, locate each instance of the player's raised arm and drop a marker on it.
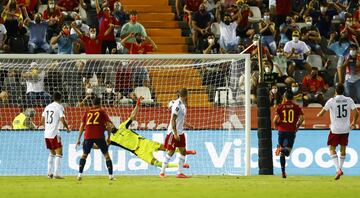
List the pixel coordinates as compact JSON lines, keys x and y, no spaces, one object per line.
{"x":136,"y":109}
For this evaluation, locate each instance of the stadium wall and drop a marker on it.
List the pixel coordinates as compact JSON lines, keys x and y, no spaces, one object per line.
{"x":219,"y":152}
{"x":161,"y":122}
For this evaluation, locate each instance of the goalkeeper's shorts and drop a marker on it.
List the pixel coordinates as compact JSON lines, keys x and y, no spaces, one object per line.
{"x":146,"y":149}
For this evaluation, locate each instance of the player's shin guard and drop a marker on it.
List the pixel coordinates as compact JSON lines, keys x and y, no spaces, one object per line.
{"x":181,"y":164}
{"x":109,"y":165}
{"x":282,"y":163}
{"x":165,"y":163}
{"x":335,"y":159}
{"x":51,"y":164}
{"x":57,"y":165}
{"x":82,"y":165}
{"x":342,"y":160}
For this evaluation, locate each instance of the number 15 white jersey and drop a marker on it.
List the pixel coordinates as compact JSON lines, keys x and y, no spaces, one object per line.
{"x":52,"y":115}
{"x":340,"y":110}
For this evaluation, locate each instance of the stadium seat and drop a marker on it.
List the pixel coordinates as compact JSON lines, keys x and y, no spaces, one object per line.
{"x":299,"y":75}
{"x":144,"y":92}
{"x":315,"y":61}
{"x":223,"y":96}
{"x":314,"y":105}
{"x":215,"y":29}
{"x":256,"y":14}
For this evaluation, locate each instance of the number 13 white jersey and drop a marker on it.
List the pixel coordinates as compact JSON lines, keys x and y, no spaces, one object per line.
{"x":52,"y":115}
{"x":340,"y":110}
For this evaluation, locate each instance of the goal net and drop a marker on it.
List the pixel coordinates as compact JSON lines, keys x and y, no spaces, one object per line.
{"x":218,"y":108}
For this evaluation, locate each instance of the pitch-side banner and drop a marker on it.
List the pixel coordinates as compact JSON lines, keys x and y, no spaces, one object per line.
{"x":218,"y":152}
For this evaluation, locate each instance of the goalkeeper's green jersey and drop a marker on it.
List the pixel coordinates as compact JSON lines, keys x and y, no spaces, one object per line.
{"x":125,"y":137}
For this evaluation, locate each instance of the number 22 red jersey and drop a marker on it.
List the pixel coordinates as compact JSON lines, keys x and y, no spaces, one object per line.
{"x":289,"y":114}
{"x":95,"y":123}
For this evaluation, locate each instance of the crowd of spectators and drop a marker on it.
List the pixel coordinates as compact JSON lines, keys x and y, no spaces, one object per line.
{"x":308,"y":45}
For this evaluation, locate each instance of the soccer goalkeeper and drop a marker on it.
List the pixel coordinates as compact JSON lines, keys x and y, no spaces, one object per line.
{"x":143,"y":148}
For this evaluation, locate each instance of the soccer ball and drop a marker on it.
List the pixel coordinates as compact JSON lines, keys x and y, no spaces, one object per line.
{"x":170,"y":104}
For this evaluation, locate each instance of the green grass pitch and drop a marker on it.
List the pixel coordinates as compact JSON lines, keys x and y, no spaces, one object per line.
{"x":170,"y":187}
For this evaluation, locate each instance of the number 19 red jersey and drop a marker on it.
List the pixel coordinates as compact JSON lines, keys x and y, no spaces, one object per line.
{"x":289,"y":114}
{"x":95,"y":123}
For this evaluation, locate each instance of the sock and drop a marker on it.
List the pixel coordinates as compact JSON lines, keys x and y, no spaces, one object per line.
{"x":342,"y":159}
{"x":165,"y":163}
{"x":82,"y":165}
{"x":57,"y":165}
{"x":109,"y":165}
{"x":282,"y":163}
{"x":170,"y":165}
{"x":50,"y":164}
{"x":181,"y":164}
{"x":335,"y":160}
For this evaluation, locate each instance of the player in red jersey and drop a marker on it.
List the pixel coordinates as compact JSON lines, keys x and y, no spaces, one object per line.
{"x":289,"y":117}
{"x":95,"y":121}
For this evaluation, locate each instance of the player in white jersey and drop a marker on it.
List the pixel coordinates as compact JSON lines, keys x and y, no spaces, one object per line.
{"x":51,"y":117}
{"x":175,"y":137}
{"x":340,"y":108}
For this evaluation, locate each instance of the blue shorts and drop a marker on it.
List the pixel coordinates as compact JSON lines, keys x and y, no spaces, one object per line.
{"x":89,"y":143}
{"x":286,"y":139}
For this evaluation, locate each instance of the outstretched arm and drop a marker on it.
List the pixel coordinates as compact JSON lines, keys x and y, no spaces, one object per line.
{"x":136,"y":109}
{"x":321,"y":113}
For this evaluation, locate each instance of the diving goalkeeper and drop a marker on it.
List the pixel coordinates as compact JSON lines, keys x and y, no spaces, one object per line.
{"x":143,"y":148}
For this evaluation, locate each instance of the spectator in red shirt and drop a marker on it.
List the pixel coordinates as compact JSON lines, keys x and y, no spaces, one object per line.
{"x":140,"y":46}
{"x":92,"y":43}
{"x":283,"y":9}
{"x":68,"y":7}
{"x":190,"y":7}
{"x":107,"y":23}
{"x":29,"y":5}
{"x":313,"y":87}
{"x":56,"y":19}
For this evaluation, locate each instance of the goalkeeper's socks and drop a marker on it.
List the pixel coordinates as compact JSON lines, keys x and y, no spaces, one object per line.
{"x":335,"y":160}
{"x":57,"y":165}
{"x":165,"y":163}
{"x":181,"y":164}
{"x":82,"y":165}
{"x":282,"y":163}
{"x":342,"y":159}
{"x":109,"y":165}
{"x":51,"y":164}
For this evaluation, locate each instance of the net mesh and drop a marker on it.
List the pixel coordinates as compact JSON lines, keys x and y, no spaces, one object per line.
{"x":215,"y":103}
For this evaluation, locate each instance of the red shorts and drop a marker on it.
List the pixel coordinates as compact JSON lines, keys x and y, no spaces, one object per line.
{"x":53,"y":143}
{"x":171,"y":143}
{"x":336,"y":139}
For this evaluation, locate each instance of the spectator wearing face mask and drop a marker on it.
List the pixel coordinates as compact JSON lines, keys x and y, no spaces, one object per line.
{"x":37,"y":29}
{"x":322,"y":18}
{"x":270,"y":78}
{"x":55,"y":19}
{"x":84,"y":28}
{"x":286,"y":29}
{"x":106,"y":28}
{"x":267,"y":31}
{"x":274,"y":96}
{"x":298,"y":96}
{"x":211,"y":46}
{"x":313,"y":87}
{"x":92,"y":42}
{"x":339,"y":46}
{"x":133,"y":26}
{"x":352,"y":28}
{"x":64,"y":41}
{"x":352,"y":74}
{"x":109,"y":95}
{"x":143,"y":45}
{"x":311,"y":36}
{"x":280,"y":67}
{"x":295,"y":50}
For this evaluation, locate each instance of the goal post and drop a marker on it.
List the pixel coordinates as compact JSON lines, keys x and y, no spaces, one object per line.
{"x":219,"y":104}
